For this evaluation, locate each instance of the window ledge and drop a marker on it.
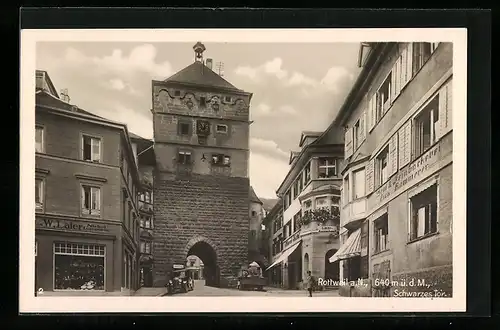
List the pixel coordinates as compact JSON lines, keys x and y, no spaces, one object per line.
{"x":378,"y":253}
{"x":421,"y":238}
{"x":83,"y":176}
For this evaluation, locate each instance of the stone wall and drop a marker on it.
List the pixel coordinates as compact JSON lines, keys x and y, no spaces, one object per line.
{"x":211,"y":209}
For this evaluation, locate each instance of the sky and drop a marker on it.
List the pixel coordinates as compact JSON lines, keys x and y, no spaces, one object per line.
{"x":296,"y":87}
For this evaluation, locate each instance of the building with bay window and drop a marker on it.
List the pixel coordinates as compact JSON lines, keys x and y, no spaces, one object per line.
{"x":396,"y":212}
{"x":144,"y":152}
{"x":273,"y":242}
{"x":310,"y":196}
{"x":86,"y":187}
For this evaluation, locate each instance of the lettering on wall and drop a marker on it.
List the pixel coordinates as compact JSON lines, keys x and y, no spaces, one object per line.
{"x":66,"y":225}
{"x":408,"y":176}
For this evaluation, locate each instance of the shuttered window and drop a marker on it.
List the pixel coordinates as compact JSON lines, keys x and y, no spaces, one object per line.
{"x":348,"y":149}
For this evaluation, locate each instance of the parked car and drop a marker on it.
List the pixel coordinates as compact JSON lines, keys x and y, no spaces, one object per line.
{"x":250,"y":278}
{"x":180,"y":282}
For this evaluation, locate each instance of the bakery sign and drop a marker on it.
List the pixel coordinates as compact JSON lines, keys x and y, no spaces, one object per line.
{"x":409,"y":176}
{"x":68,"y":225}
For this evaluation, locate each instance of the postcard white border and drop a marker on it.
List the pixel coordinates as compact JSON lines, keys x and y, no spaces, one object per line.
{"x":29,"y":303}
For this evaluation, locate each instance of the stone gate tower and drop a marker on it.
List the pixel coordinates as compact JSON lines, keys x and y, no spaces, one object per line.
{"x":201,"y":186}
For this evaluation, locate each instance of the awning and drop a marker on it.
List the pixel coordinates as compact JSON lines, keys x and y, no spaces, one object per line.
{"x":351,"y":248}
{"x":284,"y":255}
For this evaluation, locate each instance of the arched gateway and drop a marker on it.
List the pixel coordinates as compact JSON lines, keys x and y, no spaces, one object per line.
{"x":205,"y":249}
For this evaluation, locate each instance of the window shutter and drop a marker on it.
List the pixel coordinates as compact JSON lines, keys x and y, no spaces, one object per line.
{"x":394,"y":76}
{"x":409,"y":65}
{"x":362,"y":127}
{"x":370,"y":178}
{"x":348,"y":143}
{"x":404,"y":134}
{"x":393,"y":155}
{"x":372,"y":112}
{"x":445,"y":98}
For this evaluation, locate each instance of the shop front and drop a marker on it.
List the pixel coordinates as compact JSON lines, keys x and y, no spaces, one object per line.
{"x":289,"y":263}
{"x":75,"y":256}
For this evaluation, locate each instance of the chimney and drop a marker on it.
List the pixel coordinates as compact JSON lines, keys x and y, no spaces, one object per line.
{"x":209,"y":63}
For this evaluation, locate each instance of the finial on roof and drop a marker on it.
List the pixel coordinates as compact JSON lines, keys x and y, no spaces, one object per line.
{"x":198,"y":48}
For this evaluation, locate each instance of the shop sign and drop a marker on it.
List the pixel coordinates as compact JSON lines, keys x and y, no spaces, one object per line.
{"x":321,"y":229}
{"x":68,"y":225}
{"x":178,"y":266}
{"x":292,"y":239}
{"x":409,"y":176}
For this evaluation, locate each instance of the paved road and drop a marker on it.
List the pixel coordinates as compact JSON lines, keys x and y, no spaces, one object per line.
{"x":201,"y":290}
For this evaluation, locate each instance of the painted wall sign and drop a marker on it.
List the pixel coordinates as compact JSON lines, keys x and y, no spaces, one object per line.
{"x":178,"y":266}
{"x":292,"y":239}
{"x":321,"y":229}
{"x":68,"y":225}
{"x":410,"y":175}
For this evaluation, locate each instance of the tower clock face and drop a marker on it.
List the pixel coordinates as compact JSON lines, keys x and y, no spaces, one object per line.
{"x":203,"y":127}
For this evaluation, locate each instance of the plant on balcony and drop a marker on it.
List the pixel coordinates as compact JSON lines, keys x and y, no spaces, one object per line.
{"x":321,"y":215}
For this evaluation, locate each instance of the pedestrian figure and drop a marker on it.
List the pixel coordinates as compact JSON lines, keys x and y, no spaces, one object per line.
{"x":310,"y":282}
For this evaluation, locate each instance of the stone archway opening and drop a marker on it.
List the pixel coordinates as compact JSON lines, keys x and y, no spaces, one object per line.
{"x":332,"y":269}
{"x":208,"y":257}
{"x":306,"y":265}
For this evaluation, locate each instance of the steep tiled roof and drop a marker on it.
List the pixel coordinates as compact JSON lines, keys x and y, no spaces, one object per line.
{"x":253,"y":196}
{"x":44,"y":98}
{"x":199,"y":74}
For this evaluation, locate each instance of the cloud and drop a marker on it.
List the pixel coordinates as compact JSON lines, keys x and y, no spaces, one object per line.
{"x":267,"y":147}
{"x":120,"y":85}
{"x":266,"y":174}
{"x":141,"y":59}
{"x":265,"y":110}
{"x":308,"y":86}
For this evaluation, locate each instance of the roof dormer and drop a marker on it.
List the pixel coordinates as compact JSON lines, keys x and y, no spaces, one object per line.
{"x":308,"y":137}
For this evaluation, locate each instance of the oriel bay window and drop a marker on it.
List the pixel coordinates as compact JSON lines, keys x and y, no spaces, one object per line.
{"x":91,"y":200}
{"x":381,"y":232}
{"x":91,"y":149}
{"x":426,"y":127}
{"x":327,"y":167}
{"x":423,"y":215}
{"x":79,"y":266}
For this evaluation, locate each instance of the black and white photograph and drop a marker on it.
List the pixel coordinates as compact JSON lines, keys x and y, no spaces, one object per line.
{"x":317,"y":167}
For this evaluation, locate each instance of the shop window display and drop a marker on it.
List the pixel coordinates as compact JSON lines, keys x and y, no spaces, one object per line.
{"x":78,"y":266}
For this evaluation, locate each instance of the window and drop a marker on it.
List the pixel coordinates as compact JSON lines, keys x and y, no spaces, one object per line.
{"x":227,"y":99}
{"x":358,"y":182}
{"x":383,"y":166}
{"x":357,"y":134}
{"x":39,"y":139}
{"x":184,"y":157}
{"x":384,"y":97}
{"x":203,"y":101}
{"x":78,"y":266}
{"x":254,"y":213}
{"x":295,"y":190}
{"x":147,"y":223}
{"x":426,"y":127}
{"x":221,"y":129}
{"x":422,"y":51}
{"x":177,"y":93}
{"x":184,"y":128}
{"x":307,"y":173}
{"x":307,"y":204}
{"x":221,"y":160}
{"x":346,"y":190}
{"x":381,"y":228}
{"x":296,"y":221}
{"x":39,"y":194}
{"x":300,"y":182}
{"x":424,"y":213}
{"x":91,"y":149}
{"x":327,"y":167}
{"x":320,"y":202}
{"x":91,"y":200}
